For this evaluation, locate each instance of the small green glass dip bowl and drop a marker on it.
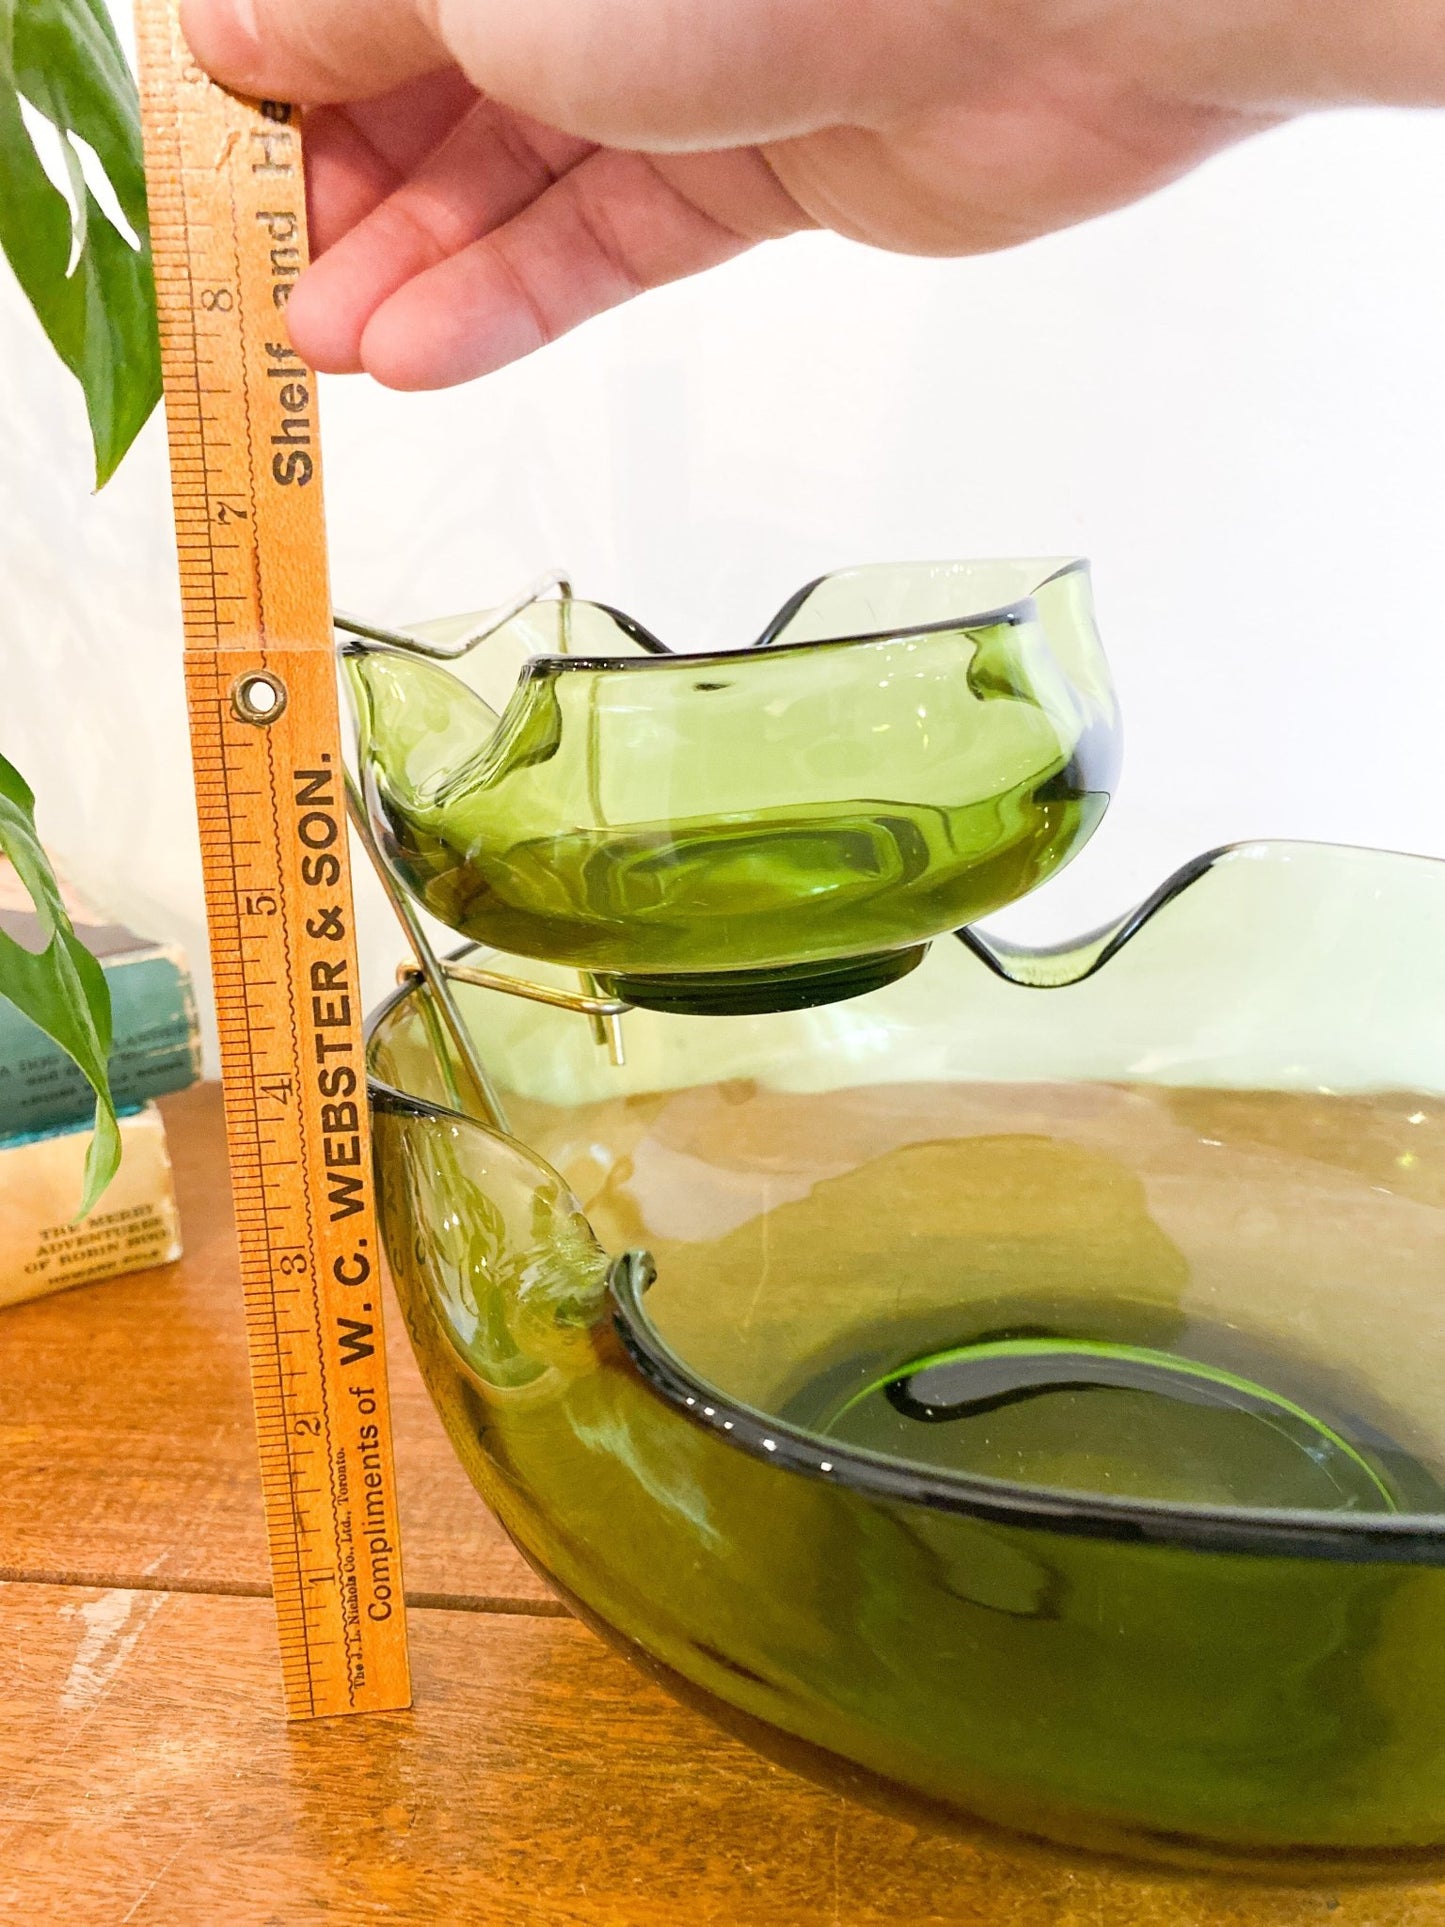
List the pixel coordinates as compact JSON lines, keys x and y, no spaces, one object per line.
{"x":1010,"y":1401}
{"x":905,"y":749}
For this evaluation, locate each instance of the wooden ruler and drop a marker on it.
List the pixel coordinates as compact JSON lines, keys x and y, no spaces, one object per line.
{"x":228,"y":225}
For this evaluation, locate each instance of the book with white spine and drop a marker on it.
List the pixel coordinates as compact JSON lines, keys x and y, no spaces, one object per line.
{"x":45,"y":1247}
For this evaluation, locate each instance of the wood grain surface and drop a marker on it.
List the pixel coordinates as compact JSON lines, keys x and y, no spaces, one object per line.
{"x":147,"y":1778}
{"x":537,"y":1780}
{"x":126,"y":1434}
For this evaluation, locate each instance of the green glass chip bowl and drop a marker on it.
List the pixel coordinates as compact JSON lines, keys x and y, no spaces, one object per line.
{"x":905,"y":749}
{"x":1014,"y":1392}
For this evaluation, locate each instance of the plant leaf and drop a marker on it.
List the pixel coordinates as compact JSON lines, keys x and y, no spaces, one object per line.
{"x":69,"y":49}
{"x":63,"y":57}
{"x":61,"y":988}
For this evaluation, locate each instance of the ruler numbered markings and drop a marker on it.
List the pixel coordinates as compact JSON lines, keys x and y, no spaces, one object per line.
{"x":228,"y":228}
{"x":302,"y":1193}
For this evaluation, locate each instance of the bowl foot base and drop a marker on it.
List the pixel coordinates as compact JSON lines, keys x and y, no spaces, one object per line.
{"x":746,"y":993}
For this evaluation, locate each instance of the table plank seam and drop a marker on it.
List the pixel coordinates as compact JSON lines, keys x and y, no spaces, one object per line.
{"x":452,"y":1602}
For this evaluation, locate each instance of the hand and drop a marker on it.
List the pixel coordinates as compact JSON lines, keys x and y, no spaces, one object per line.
{"x":485,"y":174}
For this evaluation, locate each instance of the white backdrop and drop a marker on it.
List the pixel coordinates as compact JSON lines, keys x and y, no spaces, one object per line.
{"x":1232,"y":398}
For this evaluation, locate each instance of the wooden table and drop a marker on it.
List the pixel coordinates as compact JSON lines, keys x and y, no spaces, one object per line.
{"x":147,"y":1777}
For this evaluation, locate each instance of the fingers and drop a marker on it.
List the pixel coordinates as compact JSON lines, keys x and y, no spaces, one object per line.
{"x":489,"y":167}
{"x":355,"y":157}
{"x":606,"y":231}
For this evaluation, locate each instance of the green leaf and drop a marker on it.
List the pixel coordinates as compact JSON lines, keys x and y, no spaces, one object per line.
{"x":63,"y":57}
{"x":69,"y":49}
{"x":60,"y":988}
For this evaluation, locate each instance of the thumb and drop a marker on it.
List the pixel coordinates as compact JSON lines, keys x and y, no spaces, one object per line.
{"x":311,"y":50}
{"x":652,"y":74}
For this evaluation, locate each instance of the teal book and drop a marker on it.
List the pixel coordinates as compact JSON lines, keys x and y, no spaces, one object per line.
{"x":156,"y":1038}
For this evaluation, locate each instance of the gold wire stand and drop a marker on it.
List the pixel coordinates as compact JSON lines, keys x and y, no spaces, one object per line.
{"x":438,"y":974}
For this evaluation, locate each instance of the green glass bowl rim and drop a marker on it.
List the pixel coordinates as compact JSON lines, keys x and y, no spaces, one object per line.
{"x":1401,"y":1538}
{"x":1364,"y":1538}
{"x":1023,"y":609}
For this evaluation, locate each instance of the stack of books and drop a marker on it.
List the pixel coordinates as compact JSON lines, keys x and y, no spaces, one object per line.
{"x":47,"y":1110}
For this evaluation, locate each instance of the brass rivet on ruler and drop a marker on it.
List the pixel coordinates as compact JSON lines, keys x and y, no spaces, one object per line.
{"x":258,"y":697}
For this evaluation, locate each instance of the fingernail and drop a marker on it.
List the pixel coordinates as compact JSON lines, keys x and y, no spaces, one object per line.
{"x":224,"y":35}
